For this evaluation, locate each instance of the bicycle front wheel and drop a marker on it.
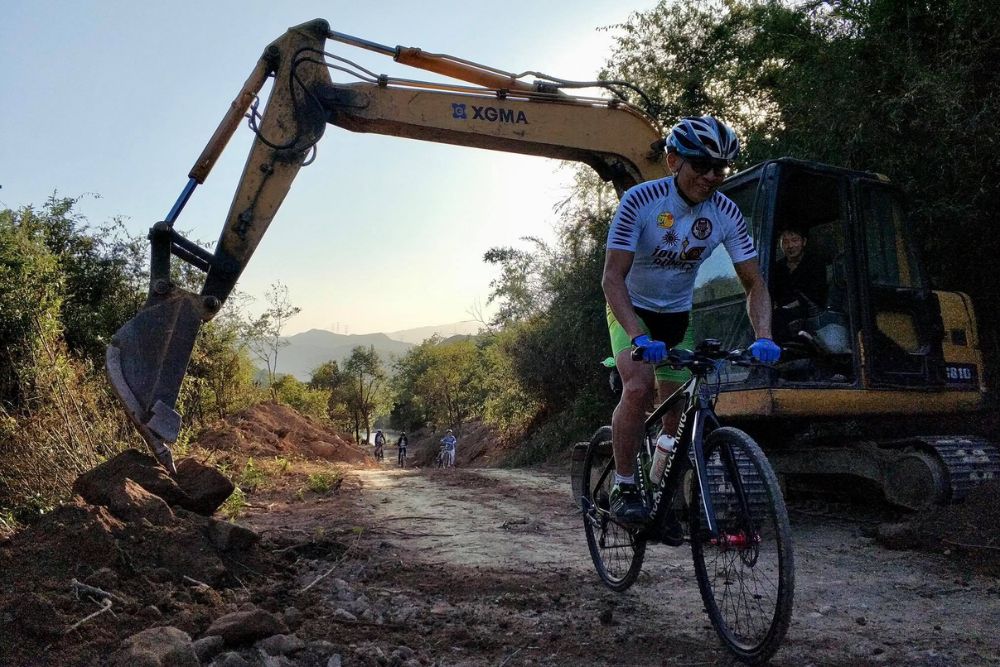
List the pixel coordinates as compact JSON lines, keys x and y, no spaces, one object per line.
{"x":616,"y":551}
{"x":746,"y":573}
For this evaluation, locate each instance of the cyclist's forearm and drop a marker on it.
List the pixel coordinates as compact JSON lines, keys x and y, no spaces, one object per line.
{"x":759,"y":309}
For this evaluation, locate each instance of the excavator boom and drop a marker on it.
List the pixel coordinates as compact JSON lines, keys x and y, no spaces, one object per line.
{"x":148,"y":356}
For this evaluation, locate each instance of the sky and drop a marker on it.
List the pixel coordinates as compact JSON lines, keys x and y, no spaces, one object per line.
{"x":113,"y":101}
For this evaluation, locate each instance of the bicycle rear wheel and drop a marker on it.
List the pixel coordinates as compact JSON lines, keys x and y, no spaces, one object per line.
{"x":746,"y":575}
{"x":616,"y":551}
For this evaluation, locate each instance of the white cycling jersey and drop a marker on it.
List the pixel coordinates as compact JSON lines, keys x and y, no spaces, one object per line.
{"x":671,"y":239}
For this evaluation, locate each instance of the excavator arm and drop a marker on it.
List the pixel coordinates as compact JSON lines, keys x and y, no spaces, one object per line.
{"x":148,"y":356}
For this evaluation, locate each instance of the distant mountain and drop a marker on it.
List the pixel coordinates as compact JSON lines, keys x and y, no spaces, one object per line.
{"x":420,"y":334}
{"x":308,"y":350}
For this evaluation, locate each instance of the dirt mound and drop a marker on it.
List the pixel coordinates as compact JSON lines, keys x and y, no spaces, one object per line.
{"x":478,"y":445}
{"x":278,"y":430}
{"x":970,"y":529}
{"x":154,"y":562}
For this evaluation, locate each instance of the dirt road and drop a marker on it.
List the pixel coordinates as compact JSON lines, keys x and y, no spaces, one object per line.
{"x":490,"y":567}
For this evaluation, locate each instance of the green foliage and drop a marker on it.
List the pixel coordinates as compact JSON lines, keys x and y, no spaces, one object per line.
{"x":30,"y":298}
{"x":337,"y":383}
{"x":235,"y":504}
{"x":292,"y":392}
{"x":440,"y":382}
{"x":220,"y":379}
{"x":322,"y":482}
{"x":368,"y":392}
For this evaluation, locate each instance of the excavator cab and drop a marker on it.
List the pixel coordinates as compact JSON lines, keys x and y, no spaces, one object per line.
{"x":871,"y":321}
{"x":872,"y":354}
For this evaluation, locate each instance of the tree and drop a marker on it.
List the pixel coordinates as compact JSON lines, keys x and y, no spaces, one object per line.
{"x":264,"y":333}
{"x":369,"y":387}
{"x":337,"y":383}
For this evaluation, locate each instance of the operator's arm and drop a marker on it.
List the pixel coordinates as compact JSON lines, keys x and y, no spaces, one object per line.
{"x":758,"y":300}
{"x":617,"y":264}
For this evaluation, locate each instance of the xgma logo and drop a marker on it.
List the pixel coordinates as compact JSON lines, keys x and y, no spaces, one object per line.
{"x":491,"y":114}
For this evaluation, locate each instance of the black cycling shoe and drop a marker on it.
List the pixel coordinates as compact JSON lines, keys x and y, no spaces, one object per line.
{"x":627,"y":506}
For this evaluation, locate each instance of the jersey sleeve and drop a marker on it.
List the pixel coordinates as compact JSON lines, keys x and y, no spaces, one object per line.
{"x":737,"y":239}
{"x":625,"y":227}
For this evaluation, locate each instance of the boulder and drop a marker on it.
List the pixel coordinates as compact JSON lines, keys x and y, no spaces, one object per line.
{"x":245,"y":627}
{"x":228,"y":536}
{"x":206,"y":487}
{"x":130,"y":502}
{"x":95,"y":485}
{"x":197,"y":488}
{"x":164,"y":646}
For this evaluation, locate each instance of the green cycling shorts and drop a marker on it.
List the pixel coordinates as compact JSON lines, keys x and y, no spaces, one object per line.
{"x":670,"y":335}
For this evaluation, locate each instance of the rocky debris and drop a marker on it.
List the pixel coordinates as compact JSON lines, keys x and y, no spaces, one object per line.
{"x":197,"y":488}
{"x":205,"y":486}
{"x":970,"y":529}
{"x":157,"y":647}
{"x":897,"y":536}
{"x":230,"y":659}
{"x":130,"y":502}
{"x":280,"y":644}
{"x":246,"y":627}
{"x":228,"y":536}
{"x":207,"y":648}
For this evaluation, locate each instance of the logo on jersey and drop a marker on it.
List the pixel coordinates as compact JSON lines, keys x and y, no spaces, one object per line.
{"x":685,"y":260}
{"x":665,"y":220}
{"x":670,"y":238}
{"x":702,"y":228}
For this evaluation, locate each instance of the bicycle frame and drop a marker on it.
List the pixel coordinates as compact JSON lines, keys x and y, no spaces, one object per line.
{"x":697,"y":420}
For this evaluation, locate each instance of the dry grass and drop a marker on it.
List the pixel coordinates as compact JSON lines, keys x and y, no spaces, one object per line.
{"x":69,"y":423}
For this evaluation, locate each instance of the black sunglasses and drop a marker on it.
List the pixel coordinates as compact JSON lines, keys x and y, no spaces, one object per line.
{"x":702,"y":166}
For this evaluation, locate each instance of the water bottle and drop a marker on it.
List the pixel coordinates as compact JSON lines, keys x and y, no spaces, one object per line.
{"x":662,"y":457}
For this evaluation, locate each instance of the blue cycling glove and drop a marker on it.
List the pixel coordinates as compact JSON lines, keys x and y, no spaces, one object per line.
{"x":653,"y":351}
{"x":765,"y":351}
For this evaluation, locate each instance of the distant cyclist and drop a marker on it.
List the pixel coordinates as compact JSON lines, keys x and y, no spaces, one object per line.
{"x":401,"y":447}
{"x":449,"y":441}
{"x":379,"y":444}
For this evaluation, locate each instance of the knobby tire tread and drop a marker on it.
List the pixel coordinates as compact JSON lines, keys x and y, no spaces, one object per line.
{"x":598,"y":453}
{"x":765,"y":495}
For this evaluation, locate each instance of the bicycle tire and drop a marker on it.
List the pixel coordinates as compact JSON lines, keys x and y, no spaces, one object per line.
{"x":616,"y":551}
{"x":742,"y":576}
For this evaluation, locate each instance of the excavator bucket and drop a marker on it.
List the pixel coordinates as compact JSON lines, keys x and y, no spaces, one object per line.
{"x":146,"y":362}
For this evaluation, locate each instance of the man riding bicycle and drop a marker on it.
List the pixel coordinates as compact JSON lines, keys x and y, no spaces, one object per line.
{"x":662,"y":232}
{"x":401,"y":448}
{"x":449,"y":441}
{"x":379,"y":444}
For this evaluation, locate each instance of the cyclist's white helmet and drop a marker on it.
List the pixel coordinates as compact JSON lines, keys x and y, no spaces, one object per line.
{"x":704,"y":136}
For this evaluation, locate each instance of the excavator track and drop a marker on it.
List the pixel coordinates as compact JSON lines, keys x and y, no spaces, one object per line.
{"x":968,"y":460}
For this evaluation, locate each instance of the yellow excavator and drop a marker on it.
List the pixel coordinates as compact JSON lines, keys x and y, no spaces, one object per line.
{"x":889,"y":349}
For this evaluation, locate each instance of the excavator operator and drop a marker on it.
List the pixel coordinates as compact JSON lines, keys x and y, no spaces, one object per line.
{"x":661,"y":233}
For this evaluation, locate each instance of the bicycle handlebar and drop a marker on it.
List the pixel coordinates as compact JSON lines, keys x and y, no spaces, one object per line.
{"x":708,"y":352}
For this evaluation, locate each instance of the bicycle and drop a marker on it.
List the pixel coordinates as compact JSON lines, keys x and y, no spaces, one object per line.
{"x":722,"y":487}
{"x":442,"y":458}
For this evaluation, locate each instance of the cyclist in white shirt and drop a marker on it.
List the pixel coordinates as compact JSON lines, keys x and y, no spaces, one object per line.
{"x":661,"y":233}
